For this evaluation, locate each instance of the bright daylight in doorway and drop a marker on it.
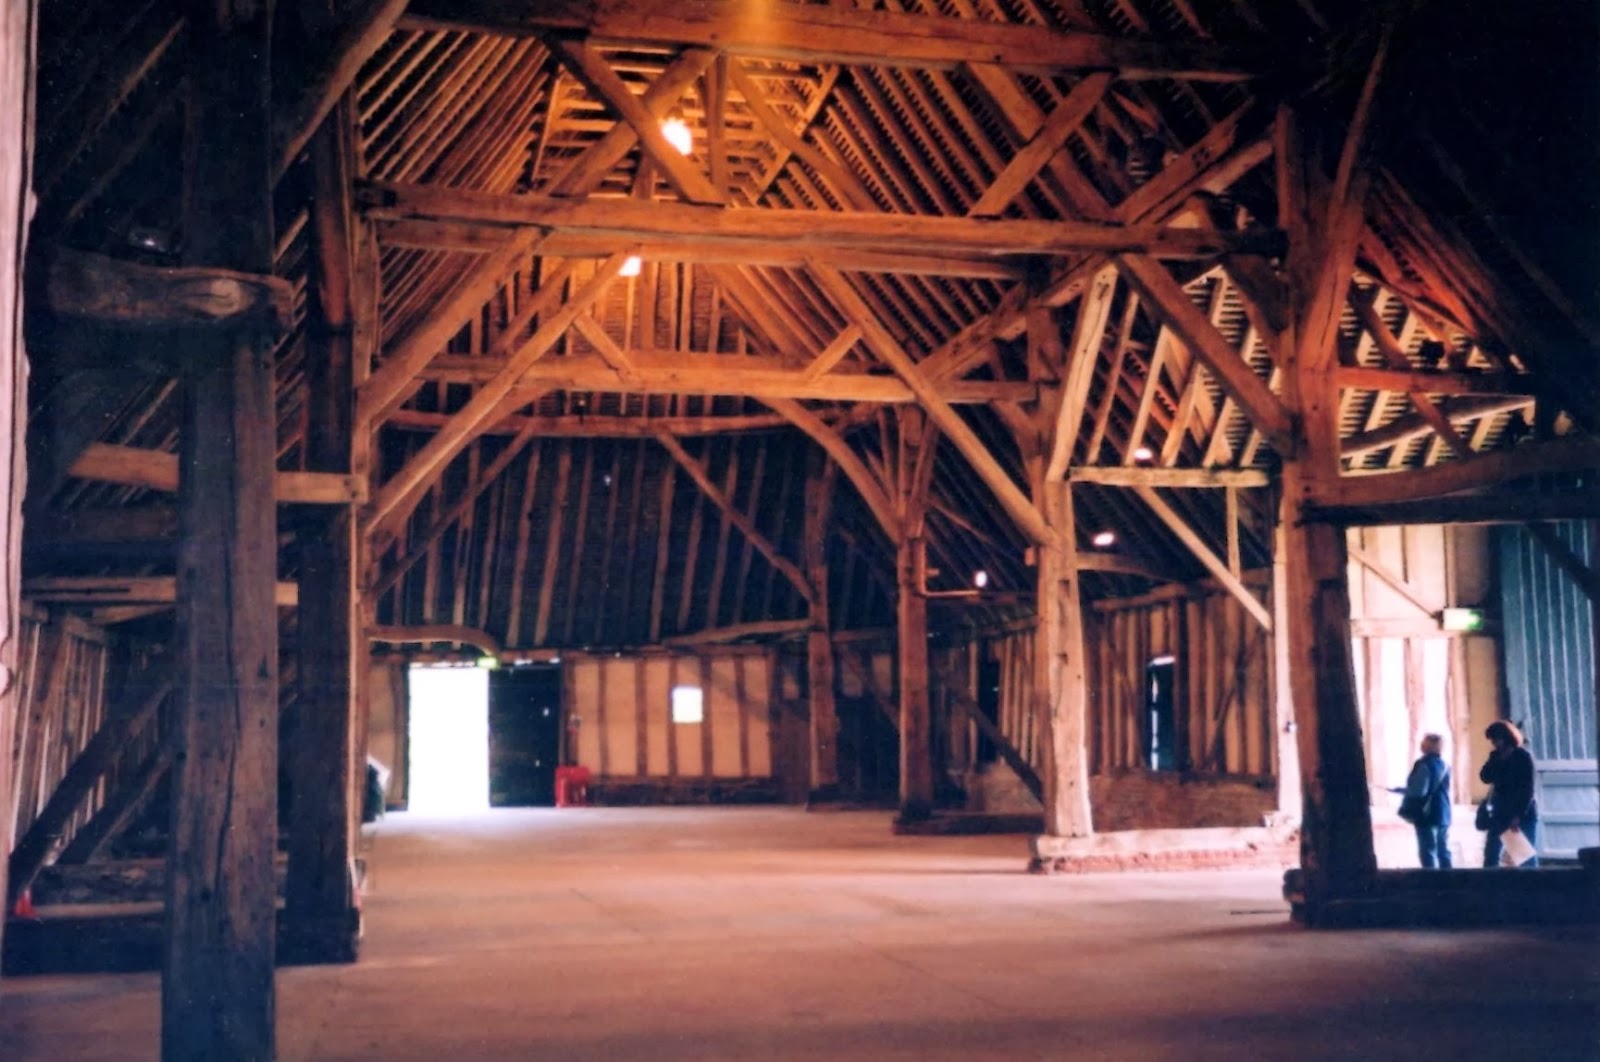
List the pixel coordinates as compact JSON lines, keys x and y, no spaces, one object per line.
{"x":449,"y":739}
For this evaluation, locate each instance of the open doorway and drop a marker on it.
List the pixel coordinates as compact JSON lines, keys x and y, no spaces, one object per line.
{"x":525,"y":746}
{"x":448,"y":736}
{"x":1161,"y":735}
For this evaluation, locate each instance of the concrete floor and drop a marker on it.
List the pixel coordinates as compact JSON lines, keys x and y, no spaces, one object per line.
{"x":693,"y":934}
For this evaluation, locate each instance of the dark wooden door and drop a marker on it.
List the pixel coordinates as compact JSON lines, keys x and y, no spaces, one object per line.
{"x":524,"y":735}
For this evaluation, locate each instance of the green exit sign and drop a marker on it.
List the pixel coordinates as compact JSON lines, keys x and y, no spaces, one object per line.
{"x":1461,"y":619}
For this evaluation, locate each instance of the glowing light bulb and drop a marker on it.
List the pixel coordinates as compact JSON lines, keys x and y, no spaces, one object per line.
{"x":678,"y":135}
{"x":630,"y":266}
{"x":1144,"y":453}
{"x":980,"y":579}
{"x":1104,"y":539}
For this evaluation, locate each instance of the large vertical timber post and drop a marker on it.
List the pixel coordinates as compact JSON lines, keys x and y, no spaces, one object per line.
{"x":324,"y":812}
{"x":1061,"y":684}
{"x":824,"y":713}
{"x":17,"y":61}
{"x":917,"y":439}
{"x":217,"y":988}
{"x":1324,"y":221}
{"x":1283,"y":723}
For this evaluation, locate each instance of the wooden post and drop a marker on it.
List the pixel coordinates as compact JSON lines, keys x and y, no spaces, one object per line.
{"x":917,"y":440}
{"x":17,"y":63}
{"x":911,"y":629}
{"x":824,"y":714}
{"x":217,"y":974}
{"x":1324,"y":221}
{"x":1060,"y":678}
{"x":324,"y":776}
{"x":1283,"y":721}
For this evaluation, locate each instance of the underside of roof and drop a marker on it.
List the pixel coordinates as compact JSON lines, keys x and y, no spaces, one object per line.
{"x":914,"y":236}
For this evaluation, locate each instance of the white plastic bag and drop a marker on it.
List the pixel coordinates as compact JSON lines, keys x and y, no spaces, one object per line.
{"x":1514,"y":848}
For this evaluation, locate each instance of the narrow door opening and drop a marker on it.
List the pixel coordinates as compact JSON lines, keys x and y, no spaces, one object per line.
{"x":449,"y":739}
{"x":525,"y":739}
{"x":1161,"y":738}
{"x":989,"y":705}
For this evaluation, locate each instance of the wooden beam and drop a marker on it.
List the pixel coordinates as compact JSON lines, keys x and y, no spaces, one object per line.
{"x":217,"y":983}
{"x":136,"y":589}
{"x":834,"y":34}
{"x":867,"y":484}
{"x":326,"y":76}
{"x":833,"y":353}
{"x":473,"y":238}
{"x":585,"y":173}
{"x":846,"y":184}
{"x":123,"y":723}
{"x":673,"y":373}
{"x":427,"y":634}
{"x":121,"y":807}
{"x":842,"y":229}
{"x":596,"y":74}
{"x":733,"y":633}
{"x":746,"y":526}
{"x":1140,"y":476}
{"x":1483,"y":471}
{"x":1088,"y":335}
{"x":1203,"y":554}
{"x":1394,"y":581}
{"x":930,"y":398}
{"x":327,"y":782}
{"x":115,"y":291}
{"x":158,"y":470}
{"x":480,"y":410}
{"x":1123,"y":564}
{"x":1164,"y":295}
{"x":1415,"y":425}
{"x":952,"y":687}
{"x":586,"y":426}
{"x":1434,"y":382}
{"x":1025,"y":165}
{"x":419,"y":546}
{"x":388,"y":386}
{"x":1505,"y":507}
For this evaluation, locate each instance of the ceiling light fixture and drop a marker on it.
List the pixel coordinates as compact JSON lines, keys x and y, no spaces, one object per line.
{"x":1104,"y":539}
{"x":630,"y":266}
{"x":1144,"y":453}
{"x":678,"y":135}
{"x":980,"y":579}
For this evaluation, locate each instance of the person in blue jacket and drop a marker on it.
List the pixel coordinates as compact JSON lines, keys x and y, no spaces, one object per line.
{"x":1509,"y":769}
{"x":1428,"y":790}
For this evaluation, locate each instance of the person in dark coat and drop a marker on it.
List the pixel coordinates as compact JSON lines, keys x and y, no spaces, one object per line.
{"x":1509,"y":769}
{"x":1428,"y":790}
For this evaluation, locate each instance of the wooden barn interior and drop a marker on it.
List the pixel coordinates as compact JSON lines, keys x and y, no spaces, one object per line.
{"x":1084,"y":418}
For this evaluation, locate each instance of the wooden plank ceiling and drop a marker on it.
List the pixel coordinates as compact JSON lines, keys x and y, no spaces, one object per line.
{"x":1009,"y":206}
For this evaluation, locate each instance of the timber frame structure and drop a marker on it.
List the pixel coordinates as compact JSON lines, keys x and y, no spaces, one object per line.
{"x":358,"y":326}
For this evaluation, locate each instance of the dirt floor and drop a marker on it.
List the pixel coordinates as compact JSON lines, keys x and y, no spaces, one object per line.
{"x":692,"y":934}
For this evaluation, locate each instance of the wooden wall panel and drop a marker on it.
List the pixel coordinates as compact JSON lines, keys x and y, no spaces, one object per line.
{"x":757,"y":690}
{"x":623,"y":704}
{"x":653,"y":717}
{"x":625,"y":707}
{"x":723,"y":715}
{"x":584,"y":706}
{"x":688,"y":738}
{"x":60,"y":693}
{"x":1222,"y":681}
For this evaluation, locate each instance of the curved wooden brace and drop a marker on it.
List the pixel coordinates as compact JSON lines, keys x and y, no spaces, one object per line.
{"x":866,"y":483}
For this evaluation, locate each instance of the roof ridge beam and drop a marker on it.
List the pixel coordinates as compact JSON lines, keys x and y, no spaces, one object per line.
{"x":836,"y":34}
